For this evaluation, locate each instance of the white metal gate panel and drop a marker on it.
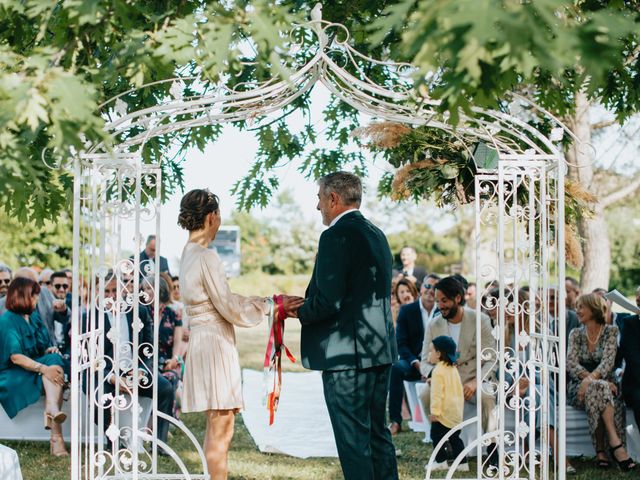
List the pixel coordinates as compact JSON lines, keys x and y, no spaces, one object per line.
{"x":520,"y":217}
{"x":114,"y":193}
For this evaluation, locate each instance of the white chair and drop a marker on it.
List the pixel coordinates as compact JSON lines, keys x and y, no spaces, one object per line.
{"x":29,"y":423}
{"x":426,"y":424}
{"x":418,"y":422}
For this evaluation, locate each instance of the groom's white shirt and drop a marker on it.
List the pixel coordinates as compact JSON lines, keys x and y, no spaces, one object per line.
{"x":335,"y":220}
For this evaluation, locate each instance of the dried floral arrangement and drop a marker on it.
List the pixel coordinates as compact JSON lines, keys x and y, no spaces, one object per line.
{"x":435,"y":165}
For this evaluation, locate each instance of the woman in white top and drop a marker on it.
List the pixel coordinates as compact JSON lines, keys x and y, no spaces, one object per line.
{"x":212,"y":380}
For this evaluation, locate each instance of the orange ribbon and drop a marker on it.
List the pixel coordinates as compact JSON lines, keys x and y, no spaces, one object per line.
{"x":273,"y":356}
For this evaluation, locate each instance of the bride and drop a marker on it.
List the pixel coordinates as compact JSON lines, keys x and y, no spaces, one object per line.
{"x":212,"y":380}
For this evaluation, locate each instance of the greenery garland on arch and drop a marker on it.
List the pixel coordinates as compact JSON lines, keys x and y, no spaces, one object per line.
{"x":433,"y":164}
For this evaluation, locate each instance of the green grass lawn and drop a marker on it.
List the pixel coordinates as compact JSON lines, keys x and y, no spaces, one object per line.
{"x":246,"y":462}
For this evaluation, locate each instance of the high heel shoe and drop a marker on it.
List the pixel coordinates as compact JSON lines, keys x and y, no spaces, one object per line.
{"x":624,"y":465}
{"x":57,"y":447}
{"x":602,"y":463}
{"x":49,"y":419}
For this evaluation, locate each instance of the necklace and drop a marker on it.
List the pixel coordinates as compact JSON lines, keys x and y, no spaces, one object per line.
{"x":593,"y":342}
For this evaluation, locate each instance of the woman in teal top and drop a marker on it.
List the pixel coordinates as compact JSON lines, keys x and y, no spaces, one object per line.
{"x":28,"y":362}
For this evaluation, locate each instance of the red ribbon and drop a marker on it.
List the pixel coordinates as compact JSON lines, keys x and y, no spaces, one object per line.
{"x":273,"y":356}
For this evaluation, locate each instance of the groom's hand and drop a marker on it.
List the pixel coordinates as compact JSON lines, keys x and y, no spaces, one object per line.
{"x":291,"y":305}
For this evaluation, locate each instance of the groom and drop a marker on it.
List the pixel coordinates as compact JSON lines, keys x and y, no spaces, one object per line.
{"x":347,"y":331}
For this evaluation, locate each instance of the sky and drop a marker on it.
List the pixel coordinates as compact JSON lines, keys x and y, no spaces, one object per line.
{"x":227,"y":161}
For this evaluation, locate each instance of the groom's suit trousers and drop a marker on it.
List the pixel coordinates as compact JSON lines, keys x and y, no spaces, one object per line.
{"x":356,"y":400}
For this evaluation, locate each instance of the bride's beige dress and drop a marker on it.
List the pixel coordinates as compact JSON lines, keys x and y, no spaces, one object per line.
{"x":212,"y":379}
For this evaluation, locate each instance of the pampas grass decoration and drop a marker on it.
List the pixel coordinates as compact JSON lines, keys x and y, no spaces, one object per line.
{"x":576,"y":191}
{"x":399,"y":188}
{"x":382,"y":135}
{"x":572,"y":247}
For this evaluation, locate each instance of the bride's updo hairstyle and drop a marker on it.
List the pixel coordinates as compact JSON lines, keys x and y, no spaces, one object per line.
{"x":194,"y":207}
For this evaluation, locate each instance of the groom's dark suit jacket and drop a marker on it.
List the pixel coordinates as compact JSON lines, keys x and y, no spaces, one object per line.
{"x":346,"y":318}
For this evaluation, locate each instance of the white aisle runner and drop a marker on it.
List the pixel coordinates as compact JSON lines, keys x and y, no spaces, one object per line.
{"x":301,"y":428}
{"x":9,"y":464}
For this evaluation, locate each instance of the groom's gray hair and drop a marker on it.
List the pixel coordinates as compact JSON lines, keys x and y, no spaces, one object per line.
{"x":344,"y":184}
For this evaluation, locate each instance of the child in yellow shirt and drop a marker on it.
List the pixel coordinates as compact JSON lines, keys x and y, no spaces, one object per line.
{"x":447,"y":400}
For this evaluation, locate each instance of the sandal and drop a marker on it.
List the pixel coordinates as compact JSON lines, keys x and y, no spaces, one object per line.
{"x":624,"y":465}
{"x":602,"y":463}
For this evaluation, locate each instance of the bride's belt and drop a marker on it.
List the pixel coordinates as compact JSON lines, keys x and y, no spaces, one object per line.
{"x":203,"y":314}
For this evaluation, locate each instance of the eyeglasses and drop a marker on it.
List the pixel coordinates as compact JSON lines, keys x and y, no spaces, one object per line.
{"x":45,"y":283}
{"x":60,"y":286}
{"x":427,"y":286}
{"x":5,"y":281}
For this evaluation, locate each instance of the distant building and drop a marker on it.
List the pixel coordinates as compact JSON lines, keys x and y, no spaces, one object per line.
{"x":227,"y":244}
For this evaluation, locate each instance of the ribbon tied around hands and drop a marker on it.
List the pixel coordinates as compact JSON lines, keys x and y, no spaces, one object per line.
{"x":273,"y":355}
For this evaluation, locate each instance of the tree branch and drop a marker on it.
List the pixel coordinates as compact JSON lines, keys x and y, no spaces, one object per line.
{"x":620,"y":194}
{"x":633,"y":56}
{"x":603,"y":124}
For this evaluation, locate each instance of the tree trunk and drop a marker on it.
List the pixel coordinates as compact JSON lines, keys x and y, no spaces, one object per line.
{"x":596,"y":248}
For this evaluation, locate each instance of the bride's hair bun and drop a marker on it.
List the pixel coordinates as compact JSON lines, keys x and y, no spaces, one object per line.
{"x":195,"y":206}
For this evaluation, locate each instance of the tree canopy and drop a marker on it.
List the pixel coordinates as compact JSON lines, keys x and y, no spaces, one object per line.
{"x":61,"y":60}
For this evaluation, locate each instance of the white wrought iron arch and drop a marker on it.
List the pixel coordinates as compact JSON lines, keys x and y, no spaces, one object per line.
{"x":522,"y":149}
{"x":398,"y":102}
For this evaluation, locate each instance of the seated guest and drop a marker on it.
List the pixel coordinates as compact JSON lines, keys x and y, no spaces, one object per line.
{"x":44,"y":279}
{"x":60,"y":286}
{"x":459,"y":323}
{"x":404,"y":292}
{"x":571,"y":319}
{"x":517,"y":321}
{"x":470,"y":296}
{"x":489,"y":305}
{"x":28,"y":361}
{"x":612,"y":318}
{"x":572,"y":289}
{"x":592,"y":384}
{"x":412,"y":322}
{"x":45,"y":300}
{"x":119,"y":355}
{"x":169,"y":331}
{"x":83,"y":299}
{"x":465,"y":284}
{"x":630,"y":352}
{"x":174,"y":304}
{"x":178,"y":307}
{"x":175,"y":293}
{"x":5,"y":280}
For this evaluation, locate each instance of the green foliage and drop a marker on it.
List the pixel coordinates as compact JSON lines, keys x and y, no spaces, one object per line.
{"x":624,"y":232}
{"x":279,"y":244}
{"x":59,"y":61}
{"x":471,"y":52}
{"x":26,"y":244}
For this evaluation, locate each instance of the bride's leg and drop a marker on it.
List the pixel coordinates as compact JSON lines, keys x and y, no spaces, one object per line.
{"x":217,"y":440}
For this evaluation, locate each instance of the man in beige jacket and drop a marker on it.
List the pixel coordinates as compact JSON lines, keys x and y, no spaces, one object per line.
{"x":458,"y":322}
